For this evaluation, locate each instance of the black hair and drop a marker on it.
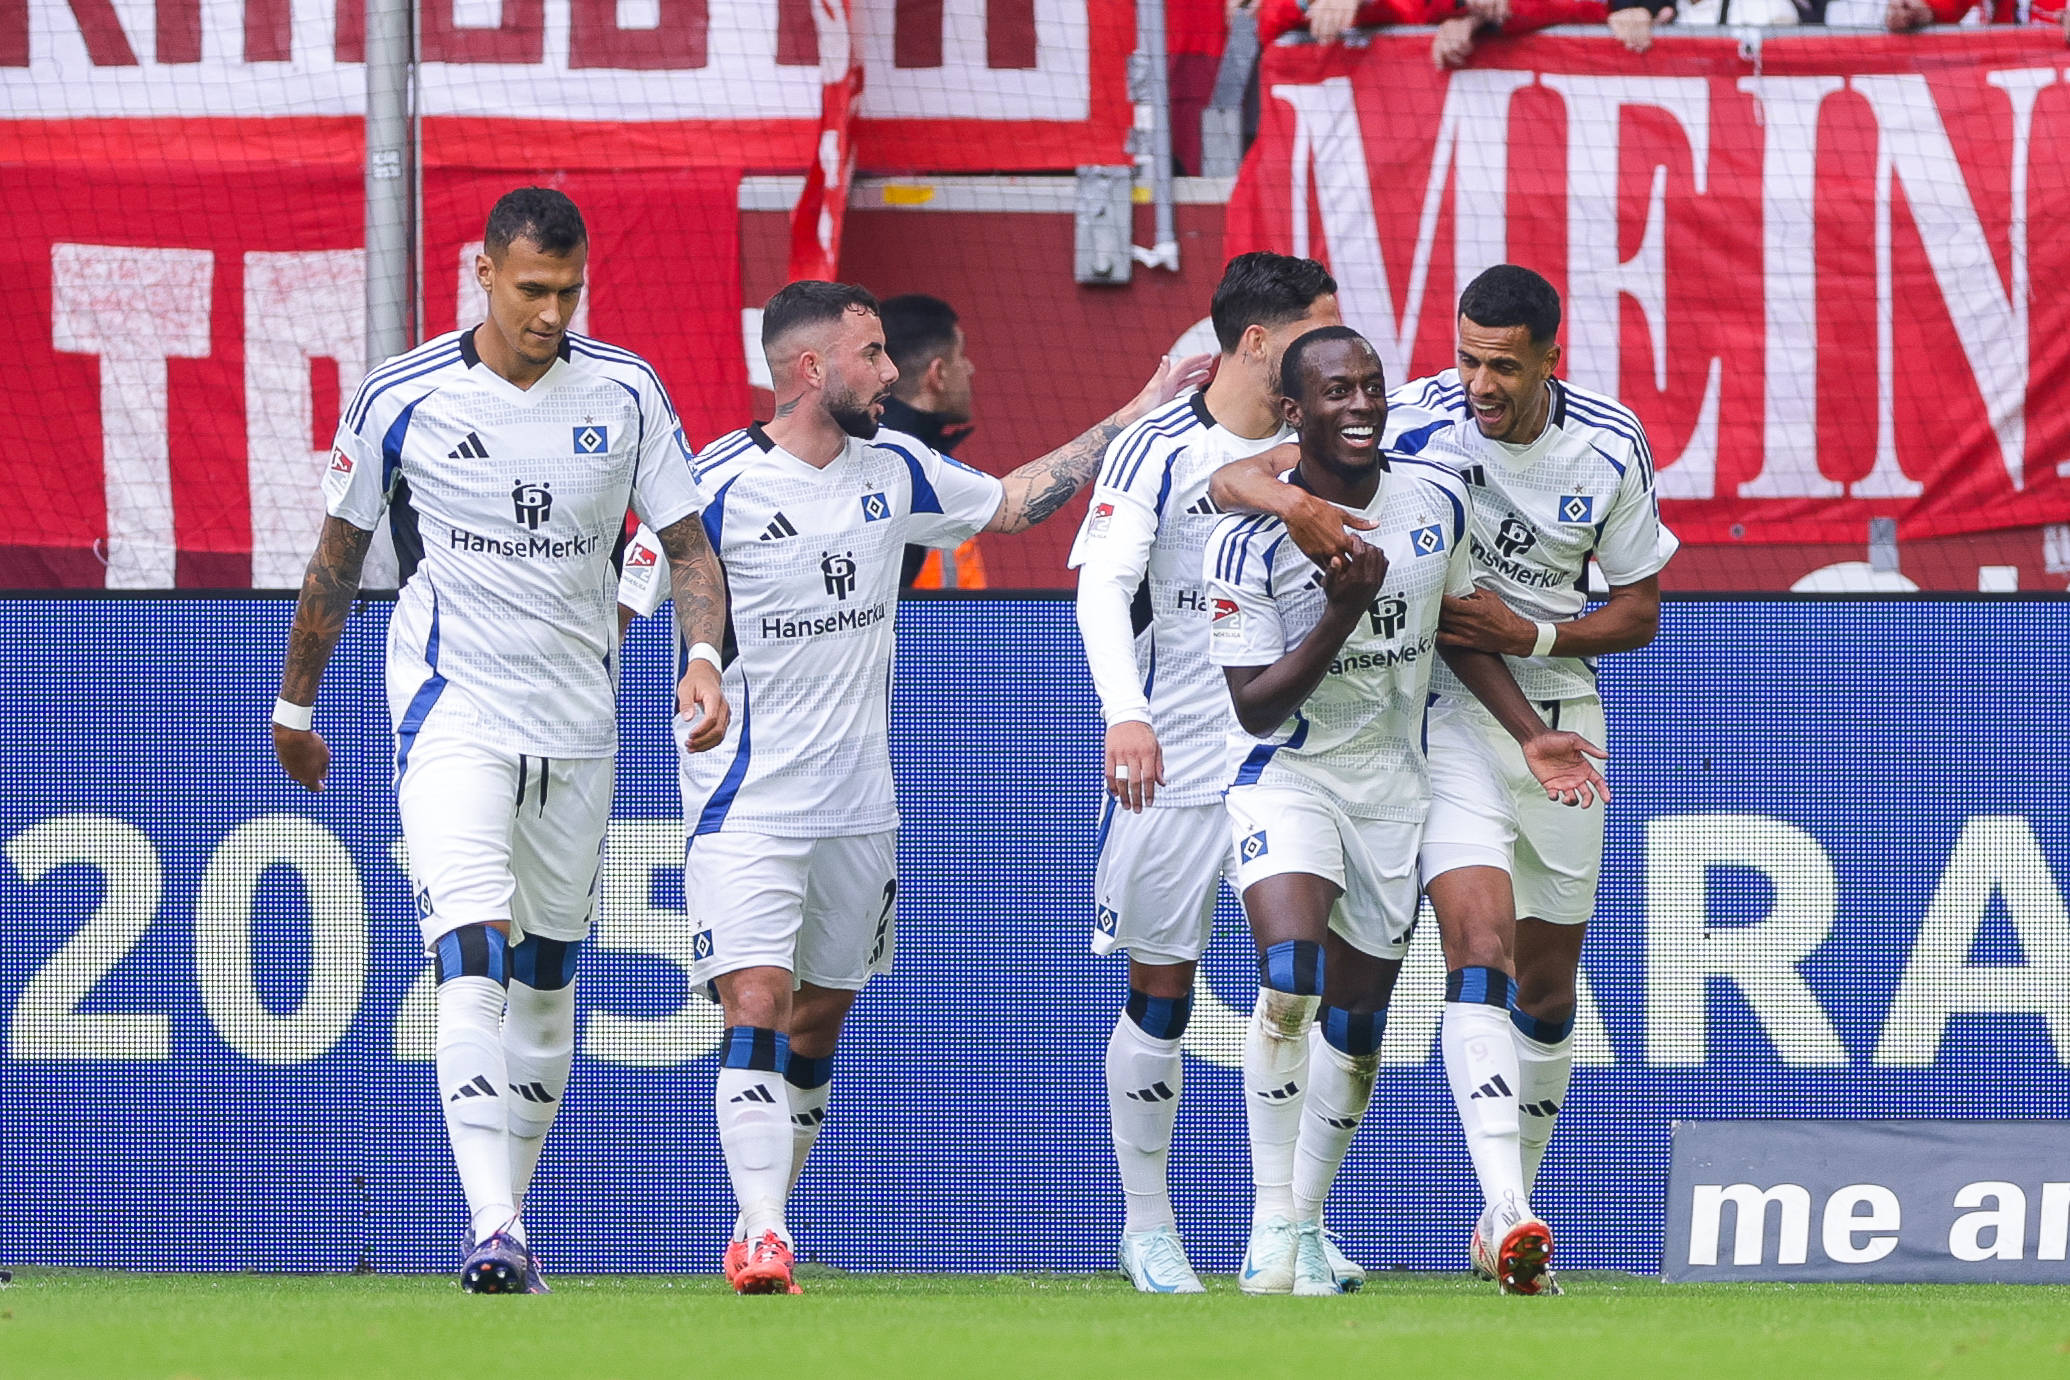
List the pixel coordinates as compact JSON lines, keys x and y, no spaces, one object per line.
{"x":1512,"y":295}
{"x":811,"y":302}
{"x":1291,"y":362}
{"x":918,"y":330}
{"x":539,"y":214}
{"x":1265,"y":289}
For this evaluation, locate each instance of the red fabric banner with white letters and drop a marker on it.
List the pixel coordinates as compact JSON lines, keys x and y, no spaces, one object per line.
{"x":1827,"y":273}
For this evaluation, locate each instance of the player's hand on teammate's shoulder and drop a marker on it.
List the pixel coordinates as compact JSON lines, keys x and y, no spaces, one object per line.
{"x":701,"y":708}
{"x":1482,"y":622}
{"x":1135,"y":764}
{"x":1325,"y":533}
{"x":1352,"y":584}
{"x":303,"y":755}
{"x":1175,"y":374}
{"x":1561,"y":763}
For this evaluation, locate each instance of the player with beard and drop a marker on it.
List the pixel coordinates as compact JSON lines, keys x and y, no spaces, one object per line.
{"x":791,"y":872}
{"x":1328,"y":671}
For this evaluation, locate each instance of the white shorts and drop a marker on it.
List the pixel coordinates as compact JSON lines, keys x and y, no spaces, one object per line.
{"x":1473,"y":819}
{"x":1280,"y":829}
{"x":1557,"y":855}
{"x":1158,"y":876}
{"x":825,"y":910}
{"x":502,"y":836}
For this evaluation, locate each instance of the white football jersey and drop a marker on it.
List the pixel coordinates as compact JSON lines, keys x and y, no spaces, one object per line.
{"x":519,"y":496}
{"x":812,"y":561}
{"x":1582,"y":490}
{"x":1150,"y":516}
{"x":1358,"y":739}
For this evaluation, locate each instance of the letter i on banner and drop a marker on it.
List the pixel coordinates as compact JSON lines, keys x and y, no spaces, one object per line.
{"x":816,"y":223}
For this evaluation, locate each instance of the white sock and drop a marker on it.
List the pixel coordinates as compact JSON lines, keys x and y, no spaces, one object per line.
{"x":1144,"y":1080}
{"x":754,"y":1109}
{"x":1542,"y":1073}
{"x":1339,"y":1087}
{"x":472,"y":1089}
{"x":808,"y":1119}
{"x":538,"y":1048}
{"x":1481,"y":1066}
{"x":1275,"y":1063}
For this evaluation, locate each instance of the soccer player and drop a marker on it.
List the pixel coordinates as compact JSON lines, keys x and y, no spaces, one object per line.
{"x":791,"y":870}
{"x":1164,"y":836}
{"x":1560,"y":477}
{"x":521,"y":445}
{"x":1328,"y":670}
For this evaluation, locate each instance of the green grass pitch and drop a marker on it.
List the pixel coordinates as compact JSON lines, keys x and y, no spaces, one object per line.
{"x":989,"y":1327}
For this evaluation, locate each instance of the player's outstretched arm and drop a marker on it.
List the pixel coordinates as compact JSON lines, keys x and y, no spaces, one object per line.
{"x":697,"y":582}
{"x":328,"y":589}
{"x":1628,"y":619}
{"x":1036,"y":490}
{"x":1560,"y":761}
{"x":1265,"y":696}
{"x":1320,"y":528}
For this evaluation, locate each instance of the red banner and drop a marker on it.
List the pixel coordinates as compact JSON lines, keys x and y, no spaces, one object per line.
{"x":1806,"y":264}
{"x":187,"y":335}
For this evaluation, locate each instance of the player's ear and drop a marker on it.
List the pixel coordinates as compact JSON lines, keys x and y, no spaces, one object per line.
{"x":1254,"y":342}
{"x":1552,"y":361}
{"x":484,"y":271}
{"x":1291,"y":411}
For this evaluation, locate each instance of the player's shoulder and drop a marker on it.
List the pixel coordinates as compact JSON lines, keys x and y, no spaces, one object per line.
{"x":1438,"y":474}
{"x":728,"y":457}
{"x":400,"y":379}
{"x":1606,"y":425}
{"x":917,"y":454}
{"x":1434,"y":393}
{"x":1148,"y":443}
{"x":1241,"y":547}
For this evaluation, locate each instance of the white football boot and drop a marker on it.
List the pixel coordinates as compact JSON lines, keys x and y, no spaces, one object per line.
{"x":1268,"y":1262}
{"x":1155,"y":1262}
{"x":1313,"y":1276}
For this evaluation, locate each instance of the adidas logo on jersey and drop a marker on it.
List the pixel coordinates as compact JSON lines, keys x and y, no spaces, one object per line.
{"x":469,"y":449}
{"x":480,"y":1087}
{"x":1156,"y":1092}
{"x":1202,"y":507}
{"x":1494,"y":1087}
{"x":758,"y":1093}
{"x":778,"y":529}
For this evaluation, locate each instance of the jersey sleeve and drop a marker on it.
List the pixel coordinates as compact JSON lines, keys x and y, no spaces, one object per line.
{"x":1244,"y":627}
{"x":664,"y":489}
{"x":643,"y":573}
{"x":1635,"y":543}
{"x":355,"y":487}
{"x":951,"y":501}
{"x":1111,"y":556}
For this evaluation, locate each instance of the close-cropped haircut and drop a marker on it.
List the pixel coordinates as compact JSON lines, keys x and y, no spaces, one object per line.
{"x":918,"y":330}
{"x":811,"y":302}
{"x":1296,"y":357}
{"x":539,"y":214}
{"x":1512,"y":295}
{"x":1265,"y":289}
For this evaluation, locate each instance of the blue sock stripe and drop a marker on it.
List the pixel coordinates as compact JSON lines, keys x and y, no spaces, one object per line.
{"x":1480,"y":986}
{"x":755,"y":1047}
{"x":1161,"y":1018}
{"x":1354,"y":1032}
{"x":1544,"y":1032}
{"x":471,"y":951}
{"x":1295,"y":965}
{"x":804,"y":1071}
{"x":546,"y":965}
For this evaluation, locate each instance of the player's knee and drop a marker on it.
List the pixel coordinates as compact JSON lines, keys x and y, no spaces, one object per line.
{"x":1160,"y":1018}
{"x":545,"y":965}
{"x":1546,"y":992}
{"x":1161,"y":979}
{"x":477,"y":951}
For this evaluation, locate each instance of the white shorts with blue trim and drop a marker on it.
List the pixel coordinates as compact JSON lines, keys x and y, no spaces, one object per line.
{"x":1159,"y":873}
{"x":823,"y":909}
{"x":1473,"y":818}
{"x":1281,"y":829}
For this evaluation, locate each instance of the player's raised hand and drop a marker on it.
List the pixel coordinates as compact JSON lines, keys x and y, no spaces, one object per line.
{"x":303,"y":755}
{"x":1325,"y":533}
{"x":1175,"y":374}
{"x":1135,"y":764}
{"x":701,"y":702}
{"x":1561,"y":763}
{"x":1482,"y":622}
{"x":1352,"y":583}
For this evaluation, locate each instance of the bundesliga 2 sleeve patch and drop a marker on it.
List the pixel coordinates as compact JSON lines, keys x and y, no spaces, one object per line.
{"x":1226,"y":619}
{"x":1102,"y":519}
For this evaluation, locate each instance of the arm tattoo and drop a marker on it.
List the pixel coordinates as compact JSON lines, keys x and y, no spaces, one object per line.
{"x":696,"y":581}
{"x":1037,"y":489}
{"x":328,"y":590}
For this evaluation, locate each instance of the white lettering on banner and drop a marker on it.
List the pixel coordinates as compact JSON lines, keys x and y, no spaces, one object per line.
{"x":2005,"y":1220}
{"x":629,"y":922}
{"x":2055,"y":1222}
{"x":1329,"y":147}
{"x":48,"y":1023}
{"x":715,"y":61}
{"x":1997,"y":856}
{"x":135,"y":309}
{"x":1683,"y":951}
{"x":1844,"y":1220}
{"x":1750,"y":1222}
{"x":298,"y":308}
{"x":224,"y":970}
{"x":1598,"y":281}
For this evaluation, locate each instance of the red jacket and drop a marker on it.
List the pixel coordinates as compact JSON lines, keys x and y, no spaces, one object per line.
{"x":1276,"y":17}
{"x":1995,"y":11}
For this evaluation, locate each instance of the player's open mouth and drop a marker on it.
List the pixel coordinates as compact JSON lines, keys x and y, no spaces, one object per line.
{"x":1360,"y":436}
{"x":1489,"y":412}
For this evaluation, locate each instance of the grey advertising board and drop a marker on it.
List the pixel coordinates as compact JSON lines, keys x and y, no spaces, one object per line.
{"x":1915,"y":1201}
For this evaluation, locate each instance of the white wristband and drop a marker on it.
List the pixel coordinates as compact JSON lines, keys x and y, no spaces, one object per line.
{"x":295,"y":716}
{"x":1546,"y":633}
{"x":704,"y":651}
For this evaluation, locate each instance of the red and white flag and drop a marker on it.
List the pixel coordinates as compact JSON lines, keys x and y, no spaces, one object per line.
{"x":823,"y":205}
